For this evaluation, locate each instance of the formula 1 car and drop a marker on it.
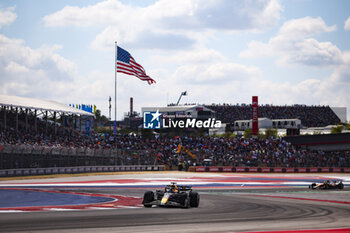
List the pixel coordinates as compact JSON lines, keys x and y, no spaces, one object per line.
{"x":172,"y":196}
{"x":327,"y":185}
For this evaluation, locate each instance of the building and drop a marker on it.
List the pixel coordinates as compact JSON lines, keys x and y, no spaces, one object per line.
{"x":184,"y":111}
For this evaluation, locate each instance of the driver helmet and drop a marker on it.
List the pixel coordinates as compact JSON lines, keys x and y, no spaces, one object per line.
{"x":174,"y":188}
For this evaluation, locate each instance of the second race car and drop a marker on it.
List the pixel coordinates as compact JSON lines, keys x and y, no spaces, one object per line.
{"x":327,"y":185}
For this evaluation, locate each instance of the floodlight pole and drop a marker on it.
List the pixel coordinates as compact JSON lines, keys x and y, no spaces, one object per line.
{"x":115,"y":90}
{"x":110,"y":107}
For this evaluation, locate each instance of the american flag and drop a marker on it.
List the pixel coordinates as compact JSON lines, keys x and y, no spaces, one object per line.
{"x":126,"y":64}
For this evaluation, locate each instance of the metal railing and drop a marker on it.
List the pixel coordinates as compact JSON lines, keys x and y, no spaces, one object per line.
{"x":23,"y":156}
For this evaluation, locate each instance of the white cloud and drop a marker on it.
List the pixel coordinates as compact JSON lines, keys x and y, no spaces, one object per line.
{"x":102,"y":13}
{"x":218,"y":15}
{"x":258,"y":49}
{"x":141,"y":39}
{"x":332,"y":90}
{"x":294,"y":45}
{"x":314,"y":53}
{"x":220,"y":74}
{"x":194,"y":56}
{"x":7,"y":16}
{"x":305,"y":27}
{"x":181,"y":14}
{"x":221,"y":81}
{"x":347,"y":24}
{"x":27,"y":71}
{"x":154,"y":26}
{"x":175,"y":26}
{"x":43,"y":73}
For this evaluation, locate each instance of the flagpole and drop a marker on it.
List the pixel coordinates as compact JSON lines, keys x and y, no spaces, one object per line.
{"x":115,"y":89}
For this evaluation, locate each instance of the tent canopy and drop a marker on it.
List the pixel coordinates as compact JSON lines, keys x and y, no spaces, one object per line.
{"x":38,"y":104}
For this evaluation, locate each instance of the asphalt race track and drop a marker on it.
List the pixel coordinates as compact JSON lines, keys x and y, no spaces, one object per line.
{"x":242,"y":208}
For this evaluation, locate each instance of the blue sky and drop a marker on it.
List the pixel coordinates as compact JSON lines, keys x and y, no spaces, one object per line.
{"x":220,"y":51}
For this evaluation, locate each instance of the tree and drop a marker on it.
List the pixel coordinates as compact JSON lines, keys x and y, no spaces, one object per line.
{"x":337,"y":129}
{"x":347,"y":126}
{"x":99,"y":117}
{"x":247,"y":133}
{"x":271,"y":133}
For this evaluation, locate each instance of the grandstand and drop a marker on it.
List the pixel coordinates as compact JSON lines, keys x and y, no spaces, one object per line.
{"x":310,"y":116}
{"x":28,"y":139}
{"x":28,"y":114}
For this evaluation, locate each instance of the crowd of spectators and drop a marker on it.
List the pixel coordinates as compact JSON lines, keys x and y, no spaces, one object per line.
{"x":236,"y":151}
{"x":310,"y":116}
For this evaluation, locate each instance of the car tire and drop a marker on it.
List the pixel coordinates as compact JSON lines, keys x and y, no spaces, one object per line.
{"x":186,"y":203}
{"x":147,"y":198}
{"x":183,"y":200}
{"x":341,"y":186}
{"x":194,"y":199}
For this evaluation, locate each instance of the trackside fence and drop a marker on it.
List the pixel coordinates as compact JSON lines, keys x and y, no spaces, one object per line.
{"x":75,"y":170}
{"x":272,"y":169}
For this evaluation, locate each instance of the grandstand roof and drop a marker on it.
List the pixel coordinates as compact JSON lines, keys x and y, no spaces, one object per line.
{"x":38,"y":104}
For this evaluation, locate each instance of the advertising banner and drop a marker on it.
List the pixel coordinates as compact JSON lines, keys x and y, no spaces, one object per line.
{"x":336,"y":169}
{"x":214,"y":169}
{"x":240,"y":169}
{"x":253,"y":169}
{"x":48,"y":171}
{"x":265,"y":169}
{"x":347,"y":169}
{"x":277,"y":169}
{"x":302,"y":169}
{"x":325,"y":169}
{"x":200,"y":169}
{"x":313,"y":169}
{"x":34,"y":171}
{"x":18,"y":172}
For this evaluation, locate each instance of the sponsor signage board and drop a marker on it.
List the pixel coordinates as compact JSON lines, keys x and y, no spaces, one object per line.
{"x":200,"y":169}
{"x":240,"y":169}
{"x":157,"y":120}
{"x":213,"y":169}
{"x":255,"y":115}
